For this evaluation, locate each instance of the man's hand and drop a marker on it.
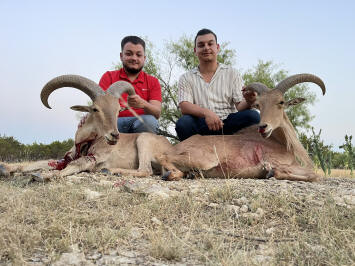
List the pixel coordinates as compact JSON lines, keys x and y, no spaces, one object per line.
{"x":213,"y":121}
{"x":249,"y":96}
{"x":136,"y":101}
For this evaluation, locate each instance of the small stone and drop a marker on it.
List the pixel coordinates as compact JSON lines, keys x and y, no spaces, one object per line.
{"x":106,"y":183}
{"x":92,"y":195}
{"x":158,"y":194}
{"x":135,"y":232}
{"x":131,"y":186}
{"x":244,"y":208}
{"x":233,"y":209}
{"x":270,"y":230}
{"x":349,"y":199}
{"x":156,"y":221}
{"x":95,"y":256}
{"x":243,"y":200}
{"x":260,"y":212}
{"x":251,"y":215}
{"x":73,"y":258}
{"x":75,"y":179}
{"x":157,"y":191}
{"x":212,"y":205}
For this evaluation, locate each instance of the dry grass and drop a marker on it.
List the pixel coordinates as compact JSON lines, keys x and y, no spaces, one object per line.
{"x":298,"y":229}
{"x":337,"y":173}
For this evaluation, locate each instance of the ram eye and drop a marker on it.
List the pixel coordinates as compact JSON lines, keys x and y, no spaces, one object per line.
{"x":95,"y":110}
{"x":282,"y":102}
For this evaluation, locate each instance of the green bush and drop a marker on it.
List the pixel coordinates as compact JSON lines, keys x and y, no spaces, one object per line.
{"x":12,"y":150}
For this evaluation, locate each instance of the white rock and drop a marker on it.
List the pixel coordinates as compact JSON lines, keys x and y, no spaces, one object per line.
{"x":244,"y":208}
{"x":73,"y":258}
{"x":260,"y":212}
{"x":106,"y":183}
{"x":156,"y":221}
{"x":270,"y":230}
{"x":233,"y":208}
{"x":212,"y":205}
{"x":349,"y":199}
{"x":91,"y":195}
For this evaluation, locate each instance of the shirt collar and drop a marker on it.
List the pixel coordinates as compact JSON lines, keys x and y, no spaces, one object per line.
{"x":140,"y":78}
{"x":196,"y":70}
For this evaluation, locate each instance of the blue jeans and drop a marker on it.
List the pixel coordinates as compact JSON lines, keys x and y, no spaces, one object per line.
{"x":189,"y":125}
{"x":133,"y":125}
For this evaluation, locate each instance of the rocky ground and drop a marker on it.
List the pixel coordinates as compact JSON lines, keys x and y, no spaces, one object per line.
{"x":241,"y":204}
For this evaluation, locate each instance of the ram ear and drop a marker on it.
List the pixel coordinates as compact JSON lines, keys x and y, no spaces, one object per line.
{"x":81,"y":108}
{"x":294,"y":101}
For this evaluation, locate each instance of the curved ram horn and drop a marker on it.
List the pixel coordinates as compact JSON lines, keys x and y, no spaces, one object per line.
{"x":119,"y":87}
{"x":87,"y":86}
{"x":291,"y":81}
{"x":257,"y":87}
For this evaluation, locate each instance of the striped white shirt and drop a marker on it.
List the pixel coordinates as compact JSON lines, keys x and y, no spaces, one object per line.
{"x":219,"y":95}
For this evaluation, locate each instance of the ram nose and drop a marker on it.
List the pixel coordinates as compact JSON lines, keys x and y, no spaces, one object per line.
{"x":264,"y":130}
{"x":115,"y":135}
{"x":112,"y":138}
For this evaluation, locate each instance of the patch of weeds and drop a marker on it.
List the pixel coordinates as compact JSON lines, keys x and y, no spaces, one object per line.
{"x":163,"y":247}
{"x":223,"y":194}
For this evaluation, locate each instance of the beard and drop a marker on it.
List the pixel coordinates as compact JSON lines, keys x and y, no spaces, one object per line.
{"x":132,"y":70}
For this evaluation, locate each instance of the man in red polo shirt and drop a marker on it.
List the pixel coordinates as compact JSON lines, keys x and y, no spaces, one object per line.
{"x":147,"y":101}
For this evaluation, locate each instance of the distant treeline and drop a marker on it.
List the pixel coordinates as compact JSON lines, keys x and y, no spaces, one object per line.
{"x":12,"y":150}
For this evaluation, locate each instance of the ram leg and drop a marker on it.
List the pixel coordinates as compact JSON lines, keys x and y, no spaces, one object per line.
{"x":295,"y":173}
{"x":130,"y":172}
{"x":82,"y":164}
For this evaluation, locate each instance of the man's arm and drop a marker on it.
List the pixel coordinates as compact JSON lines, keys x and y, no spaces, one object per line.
{"x":212,"y":120}
{"x":152,"y":107}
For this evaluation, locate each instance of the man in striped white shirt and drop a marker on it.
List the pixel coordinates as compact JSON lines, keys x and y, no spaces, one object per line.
{"x":210,"y":96}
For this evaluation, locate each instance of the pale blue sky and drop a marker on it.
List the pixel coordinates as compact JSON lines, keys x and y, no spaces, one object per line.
{"x":44,"y":39}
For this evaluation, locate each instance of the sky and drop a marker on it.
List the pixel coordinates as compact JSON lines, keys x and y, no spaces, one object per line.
{"x":44,"y":39}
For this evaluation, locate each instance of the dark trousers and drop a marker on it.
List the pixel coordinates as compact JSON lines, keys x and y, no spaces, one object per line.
{"x":189,"y":125}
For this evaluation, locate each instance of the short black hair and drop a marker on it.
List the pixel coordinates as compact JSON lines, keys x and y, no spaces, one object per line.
{"x":133,"y":39}
{"x":204,"y":32}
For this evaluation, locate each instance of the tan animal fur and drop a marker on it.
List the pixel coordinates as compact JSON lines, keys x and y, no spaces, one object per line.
{"x":275,"y":151}
{"x":98,"y":144}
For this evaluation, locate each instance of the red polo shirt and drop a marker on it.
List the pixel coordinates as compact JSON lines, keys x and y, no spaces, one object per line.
{"x":146,"y":86}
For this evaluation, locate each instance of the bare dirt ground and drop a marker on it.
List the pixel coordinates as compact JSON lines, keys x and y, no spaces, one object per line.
{"x":98,"y":219}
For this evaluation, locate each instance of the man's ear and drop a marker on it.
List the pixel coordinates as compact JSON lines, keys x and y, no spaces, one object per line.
{"x":81,"y":108}
{"x":294,"y":101}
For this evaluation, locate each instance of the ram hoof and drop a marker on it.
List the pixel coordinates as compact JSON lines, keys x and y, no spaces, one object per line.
{"x":166,"y":175}
{"x":105,"y":171}
{"x":270,"y":174}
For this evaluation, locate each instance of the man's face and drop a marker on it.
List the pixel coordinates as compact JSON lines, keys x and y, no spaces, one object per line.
{"x":206,"y":48}
{"x":132,"y":57}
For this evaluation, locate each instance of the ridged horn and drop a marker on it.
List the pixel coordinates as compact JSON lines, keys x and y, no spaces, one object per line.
{"x":291,"y":81}
{"x":86,"y":85}
{"x":257,"y":87}
{"x":119,"y":87}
